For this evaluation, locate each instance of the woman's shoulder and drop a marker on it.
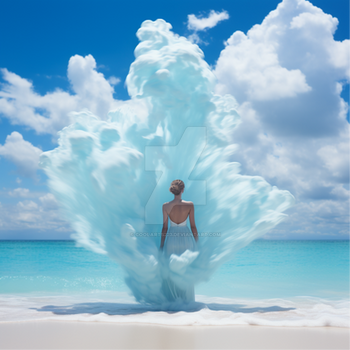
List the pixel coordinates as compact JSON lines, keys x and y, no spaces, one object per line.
{"x":187,"y":203}
{"x":167,"y":205}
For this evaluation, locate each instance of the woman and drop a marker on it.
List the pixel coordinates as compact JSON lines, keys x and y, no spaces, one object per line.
{"x":179,"y":238}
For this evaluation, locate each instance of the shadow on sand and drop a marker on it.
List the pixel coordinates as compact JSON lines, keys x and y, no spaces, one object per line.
{"x":133,"y":309}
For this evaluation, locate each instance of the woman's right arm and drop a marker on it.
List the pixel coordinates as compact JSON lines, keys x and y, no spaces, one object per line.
{"x":165,"y":227}
{"x":193,"y":224}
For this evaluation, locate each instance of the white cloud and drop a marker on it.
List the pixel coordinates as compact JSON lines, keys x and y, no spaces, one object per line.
{"x":49,"y":113}
{"x":254,"y":67}
{"x":26,"y":193}
{"x":22,"y":106}
{"x":92,"y":90}
{"x":195,"y":39}
{"x":285,"y":74}
{"x":289,"y":68}
{"x":27,"y":205}
{"x":40,"y":214}
{"x":113,"y":80}
{"x":48,"y":201}
{"x":197,"y":24}
{"x":22,"y":153}
{"x":20,"y":192}
{"x":335,"y":159}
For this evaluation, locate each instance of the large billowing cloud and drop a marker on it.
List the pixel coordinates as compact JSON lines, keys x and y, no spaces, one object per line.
{"x":287,"y":76}
{"x":49,"y":113}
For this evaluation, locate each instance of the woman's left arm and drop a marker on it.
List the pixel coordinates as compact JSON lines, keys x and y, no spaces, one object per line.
{"x":165,"y":227}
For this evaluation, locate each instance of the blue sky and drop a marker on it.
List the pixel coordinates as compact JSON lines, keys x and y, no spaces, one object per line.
{"x":39,"y":38}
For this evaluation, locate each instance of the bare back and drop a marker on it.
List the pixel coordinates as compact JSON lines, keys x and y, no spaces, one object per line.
{"x":178,"y":211}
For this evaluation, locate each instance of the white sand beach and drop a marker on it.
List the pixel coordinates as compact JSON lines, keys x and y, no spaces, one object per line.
{"x":89,"y":335}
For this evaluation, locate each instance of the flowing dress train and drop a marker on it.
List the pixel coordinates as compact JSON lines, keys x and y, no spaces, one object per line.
{"x":179,"y":238}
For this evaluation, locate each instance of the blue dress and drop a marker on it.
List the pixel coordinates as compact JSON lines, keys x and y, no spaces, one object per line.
{"x":178,"y":240}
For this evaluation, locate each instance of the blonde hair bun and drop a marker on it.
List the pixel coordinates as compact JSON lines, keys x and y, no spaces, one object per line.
{"x":176,"y":187}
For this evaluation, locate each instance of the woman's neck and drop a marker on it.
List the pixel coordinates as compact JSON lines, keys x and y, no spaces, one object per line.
{"x":177,"y":198}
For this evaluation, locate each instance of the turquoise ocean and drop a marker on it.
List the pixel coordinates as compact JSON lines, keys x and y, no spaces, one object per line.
{"x":281,"y":283}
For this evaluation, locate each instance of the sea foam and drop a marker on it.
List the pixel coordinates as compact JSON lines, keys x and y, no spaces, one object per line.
{"x":206,"y":311}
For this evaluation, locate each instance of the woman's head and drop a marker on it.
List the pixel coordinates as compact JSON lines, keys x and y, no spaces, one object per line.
{"x":176,"y":187}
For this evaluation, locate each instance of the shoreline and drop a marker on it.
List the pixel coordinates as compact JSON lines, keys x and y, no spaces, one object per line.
{"x":119,"y":308}
{"x":54,"y":334}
